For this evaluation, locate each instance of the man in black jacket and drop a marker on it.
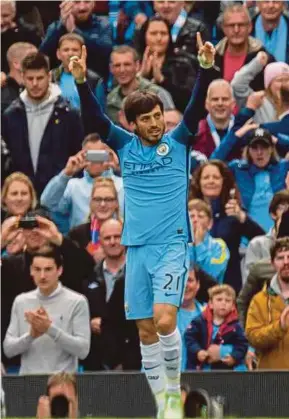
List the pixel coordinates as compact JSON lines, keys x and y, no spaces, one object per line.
{"x":40,"y":129}
{"x":184,"y":28}
{"x":114,"y":341}
{"x":16,"y":278}
{"x":14,"y":31}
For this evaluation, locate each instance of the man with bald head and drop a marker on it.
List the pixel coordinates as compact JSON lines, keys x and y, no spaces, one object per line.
{"x":13,"y":85}
{"x":115,"y":342}
{"x":219,"y":104}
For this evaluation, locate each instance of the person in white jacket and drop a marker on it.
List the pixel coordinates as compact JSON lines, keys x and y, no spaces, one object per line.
{"x":274,"y":74}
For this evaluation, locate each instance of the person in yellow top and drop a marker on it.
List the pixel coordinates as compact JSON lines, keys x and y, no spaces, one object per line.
{"x":267,"y":326}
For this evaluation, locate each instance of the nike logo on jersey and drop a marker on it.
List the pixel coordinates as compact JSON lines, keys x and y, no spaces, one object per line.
{"x":167,"y":294}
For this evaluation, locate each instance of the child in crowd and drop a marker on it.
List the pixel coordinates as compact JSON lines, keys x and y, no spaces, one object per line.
{"x":70,"y":45}
{"x":215,"y":339}
{"x":189,"y":309}
{"x":210,"y":254}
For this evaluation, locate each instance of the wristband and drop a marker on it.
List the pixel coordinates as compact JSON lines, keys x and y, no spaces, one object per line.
{"x":204,"y":63}
{"x":80,"y":81}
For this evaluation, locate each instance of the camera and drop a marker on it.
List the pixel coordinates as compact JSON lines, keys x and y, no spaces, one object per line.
{"x":97,"y":156}
{"x":59,"y":407}
{"x":28,"y":223}
{"x":199,"y":404}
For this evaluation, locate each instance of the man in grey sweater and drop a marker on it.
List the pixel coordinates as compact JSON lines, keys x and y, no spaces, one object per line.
{"x":49,"y":326}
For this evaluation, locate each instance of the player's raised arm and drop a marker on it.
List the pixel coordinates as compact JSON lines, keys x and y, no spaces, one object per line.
{"x":195,"y":108}
{"x":93,"y":117}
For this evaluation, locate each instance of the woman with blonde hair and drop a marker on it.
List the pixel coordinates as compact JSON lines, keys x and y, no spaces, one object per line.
{"x":18,"y":195}
{"x":103,"y":205}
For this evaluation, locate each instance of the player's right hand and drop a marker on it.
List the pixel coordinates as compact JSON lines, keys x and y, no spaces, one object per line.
{"x":77,"y":66}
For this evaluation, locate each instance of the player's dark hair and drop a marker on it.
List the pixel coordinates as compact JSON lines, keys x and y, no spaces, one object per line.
{"x":50,"y":252}
{"x":140,"y":102}
{"x":35,"y":61}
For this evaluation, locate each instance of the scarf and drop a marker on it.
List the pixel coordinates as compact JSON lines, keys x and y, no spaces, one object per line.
{"x":94,"y":244}
{"x":213,"y":129}
{"x":114,"y":7}
{"x":179,"y":23}
{"x":276,"y":43}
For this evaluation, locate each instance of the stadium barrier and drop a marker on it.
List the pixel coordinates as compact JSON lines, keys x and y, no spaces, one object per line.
{"x":114,"y":394}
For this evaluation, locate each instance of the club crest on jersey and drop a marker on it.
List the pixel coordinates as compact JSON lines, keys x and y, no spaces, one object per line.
{"x":163,"y":149}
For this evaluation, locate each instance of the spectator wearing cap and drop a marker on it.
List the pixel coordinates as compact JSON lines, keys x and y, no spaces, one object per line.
{"x":259,"y":174}
{"x":271,"y":27}
{"x":274,"y":74}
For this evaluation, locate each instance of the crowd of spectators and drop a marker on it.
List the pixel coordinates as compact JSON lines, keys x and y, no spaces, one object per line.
{"x":63,"y":264}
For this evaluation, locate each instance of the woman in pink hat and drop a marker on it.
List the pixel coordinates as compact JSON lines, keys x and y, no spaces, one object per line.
{"x":274,"y":74}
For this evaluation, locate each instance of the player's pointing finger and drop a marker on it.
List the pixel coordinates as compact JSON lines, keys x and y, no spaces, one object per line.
{"x":199,"y":40}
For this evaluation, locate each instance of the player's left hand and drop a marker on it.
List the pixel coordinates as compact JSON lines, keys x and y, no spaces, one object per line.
{"x":206,"y":52}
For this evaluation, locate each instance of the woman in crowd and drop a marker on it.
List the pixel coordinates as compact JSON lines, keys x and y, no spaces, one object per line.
{"x":103,"y":205}
{"x":174,"y":70}
{"x":214,"y":183}
{"x":18,"y":195}
{"x":260,"y":174}
{"x":274,"y":74}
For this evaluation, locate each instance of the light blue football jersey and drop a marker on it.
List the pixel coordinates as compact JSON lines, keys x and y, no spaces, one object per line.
{"x":156,"y":182}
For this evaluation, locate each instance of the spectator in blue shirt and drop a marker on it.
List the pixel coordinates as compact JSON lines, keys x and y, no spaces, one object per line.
{"x":189,"y":309}
{"x":70,"y":45}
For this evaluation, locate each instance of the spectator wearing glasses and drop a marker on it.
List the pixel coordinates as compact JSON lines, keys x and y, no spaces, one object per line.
{"x":103,"y":205}
{"x":237,"y":47}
